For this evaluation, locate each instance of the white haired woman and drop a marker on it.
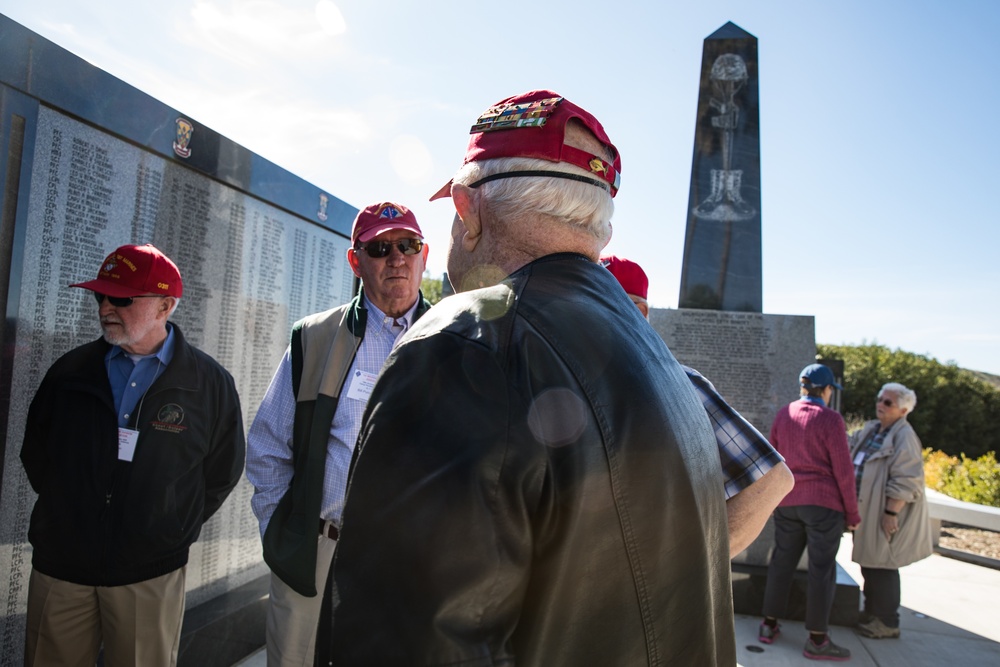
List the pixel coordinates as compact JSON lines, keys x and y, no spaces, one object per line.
{"x":894,"y":531}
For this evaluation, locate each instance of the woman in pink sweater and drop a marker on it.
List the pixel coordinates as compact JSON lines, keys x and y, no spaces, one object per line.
{"x":813,"y":440}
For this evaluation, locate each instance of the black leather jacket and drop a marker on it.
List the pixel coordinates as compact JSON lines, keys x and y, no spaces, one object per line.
{"x":99,"y":521}
{"x":537,"y":484}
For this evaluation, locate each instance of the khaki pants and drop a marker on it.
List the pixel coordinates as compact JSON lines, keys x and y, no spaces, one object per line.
{"x":140,"y":624}
{"x":292,"y":618}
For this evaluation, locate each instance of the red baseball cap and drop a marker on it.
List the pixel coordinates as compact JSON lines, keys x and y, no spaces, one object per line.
{"x":629,"y":274}
{"x":533,"y":125}
{"x":382,"y":217}
{"x":132,"y":270}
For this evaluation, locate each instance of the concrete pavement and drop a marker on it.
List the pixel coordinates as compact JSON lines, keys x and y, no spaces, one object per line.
{"x":950,"y":616}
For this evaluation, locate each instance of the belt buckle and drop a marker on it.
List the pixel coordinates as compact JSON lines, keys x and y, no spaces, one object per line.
{"x":329,"y":529}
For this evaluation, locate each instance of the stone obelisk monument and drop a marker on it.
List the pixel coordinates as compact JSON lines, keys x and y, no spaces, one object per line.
{"x":720,"y":327}
{"x":722,"y":260}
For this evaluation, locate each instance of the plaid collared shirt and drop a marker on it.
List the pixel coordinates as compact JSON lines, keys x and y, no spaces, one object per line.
{"x":872,"y":444}
{"x":746,"y":455}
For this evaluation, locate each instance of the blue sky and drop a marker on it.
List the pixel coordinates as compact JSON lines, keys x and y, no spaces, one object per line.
{"x":879,"y":139}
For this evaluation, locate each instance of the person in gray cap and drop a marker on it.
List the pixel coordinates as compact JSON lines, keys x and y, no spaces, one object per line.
{"x":536,"y":482}
{"x":814,"y":515}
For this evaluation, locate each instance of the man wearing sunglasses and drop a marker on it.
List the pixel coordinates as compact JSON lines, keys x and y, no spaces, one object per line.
{"x":132,"y":442}
{"x":536,"y":482}
{"x":302,"y":438}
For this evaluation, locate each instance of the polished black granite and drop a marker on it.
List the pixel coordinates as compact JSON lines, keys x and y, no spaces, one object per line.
{"x":227,"y":628}
{"x":722,"y":245}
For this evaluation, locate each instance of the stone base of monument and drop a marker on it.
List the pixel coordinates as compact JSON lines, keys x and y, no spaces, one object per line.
{"x":227,"y":628}
{"x":749,"y":582}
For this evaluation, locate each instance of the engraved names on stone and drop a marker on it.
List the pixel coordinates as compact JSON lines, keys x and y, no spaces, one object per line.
{"x":231,"y":278}
{"x":185,"y":210}
{"x":87,"y":212}
{"x":148,"y":182}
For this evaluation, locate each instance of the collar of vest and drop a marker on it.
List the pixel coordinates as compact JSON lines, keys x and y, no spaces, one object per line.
{"x":357,"y":314}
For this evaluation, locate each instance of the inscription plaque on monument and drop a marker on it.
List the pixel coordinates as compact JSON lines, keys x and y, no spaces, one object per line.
{"x":257,"y":248}
{"x":722,"y":254}
{"x":752,"y":359}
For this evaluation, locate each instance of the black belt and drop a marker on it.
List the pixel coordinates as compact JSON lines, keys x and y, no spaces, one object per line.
{"x":329,"y":530}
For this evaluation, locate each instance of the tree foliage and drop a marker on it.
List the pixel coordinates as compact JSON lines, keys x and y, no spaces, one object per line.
{"x":431,"y":288}
{"x":957,"y":412}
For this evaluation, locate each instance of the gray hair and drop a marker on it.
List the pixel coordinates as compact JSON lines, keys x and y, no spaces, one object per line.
{"x":907,"y":398}
{"x":579,"y":204}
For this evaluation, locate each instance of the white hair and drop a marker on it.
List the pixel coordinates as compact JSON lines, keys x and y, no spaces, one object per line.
{"x":583,"y":205}
{"x":906,"y":397}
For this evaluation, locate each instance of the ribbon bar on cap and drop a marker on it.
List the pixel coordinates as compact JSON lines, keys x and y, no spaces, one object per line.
{"x":513,"y":116}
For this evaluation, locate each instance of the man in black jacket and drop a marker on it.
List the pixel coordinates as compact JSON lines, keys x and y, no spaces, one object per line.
{"x":132,"y":442}
{"x":536,"y":481}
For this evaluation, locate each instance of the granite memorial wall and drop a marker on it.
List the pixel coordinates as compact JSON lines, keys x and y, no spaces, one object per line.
{"x":90,"y":164}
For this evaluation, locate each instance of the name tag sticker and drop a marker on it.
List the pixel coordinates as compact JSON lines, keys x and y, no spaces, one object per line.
{"x":361,"y":385}
{"x":126,"y":443}
{"x":859,"y":458}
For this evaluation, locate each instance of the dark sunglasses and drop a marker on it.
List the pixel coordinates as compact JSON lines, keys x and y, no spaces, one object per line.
{"x":886,"y":402}
{"x":378,"y":249}
{"x":123,"y":301}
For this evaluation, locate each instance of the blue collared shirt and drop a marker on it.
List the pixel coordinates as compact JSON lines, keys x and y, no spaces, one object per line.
{"x":131,"y":377}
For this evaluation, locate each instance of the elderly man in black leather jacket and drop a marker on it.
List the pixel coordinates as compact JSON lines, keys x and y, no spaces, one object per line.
{"x":536,"y":482}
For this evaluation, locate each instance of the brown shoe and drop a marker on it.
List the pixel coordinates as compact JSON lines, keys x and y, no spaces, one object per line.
{"x":876,"y":629}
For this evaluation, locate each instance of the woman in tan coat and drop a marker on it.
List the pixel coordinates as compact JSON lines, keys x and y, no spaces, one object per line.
{"x":894,"y":531}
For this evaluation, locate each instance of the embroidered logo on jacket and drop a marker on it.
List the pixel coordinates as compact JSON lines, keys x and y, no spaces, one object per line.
{"x":169,"y":419}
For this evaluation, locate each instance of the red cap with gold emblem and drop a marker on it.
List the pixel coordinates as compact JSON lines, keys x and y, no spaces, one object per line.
{"x":132,"y":270}
{"x":533,"y":125}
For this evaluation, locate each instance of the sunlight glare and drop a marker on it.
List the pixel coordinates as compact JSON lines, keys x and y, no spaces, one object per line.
{"x":331,"y":20}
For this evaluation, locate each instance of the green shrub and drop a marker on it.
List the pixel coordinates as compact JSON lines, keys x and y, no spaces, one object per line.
{"x":957,"y":411}
{"x":431,"y":287}
{"x":962,"y":478}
